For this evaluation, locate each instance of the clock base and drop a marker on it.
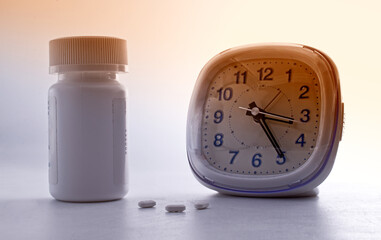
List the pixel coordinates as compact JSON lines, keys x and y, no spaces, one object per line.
{"x":312,"y":193}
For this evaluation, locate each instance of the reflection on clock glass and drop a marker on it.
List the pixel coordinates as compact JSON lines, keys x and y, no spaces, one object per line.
{"x":261,"y":117}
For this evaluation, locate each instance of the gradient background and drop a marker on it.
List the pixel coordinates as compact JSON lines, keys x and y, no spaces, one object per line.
{"x":169,"y":42}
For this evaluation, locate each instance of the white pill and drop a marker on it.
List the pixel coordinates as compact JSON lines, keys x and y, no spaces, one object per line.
{"x":201,"y":205}
{"x":147,"y":203}
{"x":175,"y":208}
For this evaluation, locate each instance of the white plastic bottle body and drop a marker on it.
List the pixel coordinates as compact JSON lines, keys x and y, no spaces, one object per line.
{"x":87,"y":138}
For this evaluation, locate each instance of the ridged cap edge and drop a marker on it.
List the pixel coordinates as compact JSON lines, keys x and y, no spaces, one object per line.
{"x":88,"y":53}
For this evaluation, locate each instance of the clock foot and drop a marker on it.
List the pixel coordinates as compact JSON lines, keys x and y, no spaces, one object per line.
{"x":312,"y":193}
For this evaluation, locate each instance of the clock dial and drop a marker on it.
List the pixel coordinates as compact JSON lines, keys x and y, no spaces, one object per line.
{"x":261,"y":117}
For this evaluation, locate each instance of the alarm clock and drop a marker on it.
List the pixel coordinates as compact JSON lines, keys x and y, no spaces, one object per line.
{"x":265,"y":120}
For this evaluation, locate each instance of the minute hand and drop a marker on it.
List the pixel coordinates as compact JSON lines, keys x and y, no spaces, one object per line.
{"x":280,"y":117}
{"x":271,"y":137}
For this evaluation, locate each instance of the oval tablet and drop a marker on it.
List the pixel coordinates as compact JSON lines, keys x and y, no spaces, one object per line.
{"x":147,"y":203}
{"x":175,"y":208}
{"x":201,"y":205}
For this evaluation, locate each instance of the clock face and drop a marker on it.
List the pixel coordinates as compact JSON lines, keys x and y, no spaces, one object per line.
{"x":261,"y":117}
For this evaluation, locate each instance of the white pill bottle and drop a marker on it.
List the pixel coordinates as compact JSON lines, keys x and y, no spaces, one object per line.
{"x":87,"y":119}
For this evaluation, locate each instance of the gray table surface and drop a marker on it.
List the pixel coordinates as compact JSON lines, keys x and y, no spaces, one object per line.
{"x":27,"y":211}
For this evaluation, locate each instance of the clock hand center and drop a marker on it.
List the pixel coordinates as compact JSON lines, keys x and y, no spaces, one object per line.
{"x":254,"y":111}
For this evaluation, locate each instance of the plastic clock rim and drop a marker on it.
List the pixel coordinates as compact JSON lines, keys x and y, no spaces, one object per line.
{"x":309,"y":180}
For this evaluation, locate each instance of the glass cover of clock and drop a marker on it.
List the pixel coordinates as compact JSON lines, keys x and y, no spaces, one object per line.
{"x":261,"y":117}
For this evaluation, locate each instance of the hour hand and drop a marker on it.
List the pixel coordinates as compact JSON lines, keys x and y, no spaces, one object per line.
{"x":279,"y":118}
{"x":271,"y":116}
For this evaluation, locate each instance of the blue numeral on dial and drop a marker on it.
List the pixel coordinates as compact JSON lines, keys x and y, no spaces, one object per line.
{"x":300,"y":140}
{"x":218,"y":116}
{"x":225,"y":94}
{"x":256,"y":161}
{"x":235,"y":153}
{"x":281,"y":160}
{"x":218,"y":140}
{"x":306,"y":115}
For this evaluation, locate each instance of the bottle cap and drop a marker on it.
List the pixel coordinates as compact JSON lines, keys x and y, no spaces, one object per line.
{"x":87,"y":53}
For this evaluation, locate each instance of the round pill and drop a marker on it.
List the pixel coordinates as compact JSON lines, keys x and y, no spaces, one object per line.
{"x":175,"y":208}
{"x":201,"y":205}
{"x":147,"y":203}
